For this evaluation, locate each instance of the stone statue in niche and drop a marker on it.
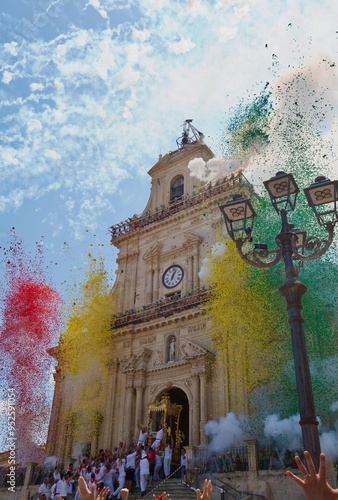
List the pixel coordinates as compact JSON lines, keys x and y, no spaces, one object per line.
{"x":172,"y":349}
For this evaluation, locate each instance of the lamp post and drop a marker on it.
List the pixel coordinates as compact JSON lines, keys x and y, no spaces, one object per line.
{"x":292,"y":245}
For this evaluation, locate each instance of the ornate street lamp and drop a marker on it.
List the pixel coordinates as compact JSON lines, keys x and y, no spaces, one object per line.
{"x":292,"y":245}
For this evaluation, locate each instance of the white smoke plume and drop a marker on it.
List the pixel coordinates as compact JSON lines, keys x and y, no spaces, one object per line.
{"x":228,"y":431}
{"x":334,"y":406}
{"x":77,"y":452}
{"x":329,"y":443}
{"x":285,"y":433}
{"x":212,"y":170}
{"x":49,"y":465}
{"x":216,"y":250}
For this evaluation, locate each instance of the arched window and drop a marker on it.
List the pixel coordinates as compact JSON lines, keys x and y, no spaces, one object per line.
{"x":177,"y":188}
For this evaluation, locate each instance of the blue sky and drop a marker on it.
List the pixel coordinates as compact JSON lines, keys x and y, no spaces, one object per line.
{"x":91,"y":92}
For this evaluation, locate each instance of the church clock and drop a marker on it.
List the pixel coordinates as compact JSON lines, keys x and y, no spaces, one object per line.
{"x":172,"y":276}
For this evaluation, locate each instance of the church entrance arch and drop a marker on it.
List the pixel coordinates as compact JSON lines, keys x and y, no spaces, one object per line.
{"x":179,"y":397}
{"x":171,"y":409}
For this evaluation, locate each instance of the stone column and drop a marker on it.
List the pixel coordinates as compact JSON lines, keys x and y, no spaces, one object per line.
{"x":158,"y":277}
{"x":151,"y":277}
{"x":30,"y":466}
{"x":139,"y":384}
{"x":128,"y":410}
{"x":54,"y":420}
{"x":196,"y":267}
{"x":196,"y":412}
{"x":122,"y":266}
{"x":133,"y":272}
{"x":204,"y":406}
{"x":110,"y":399}
{"x":252,"y":454}
{"x":191,"y":272}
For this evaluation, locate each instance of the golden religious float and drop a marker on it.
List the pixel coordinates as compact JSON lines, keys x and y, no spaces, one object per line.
{"x":167,"y":414}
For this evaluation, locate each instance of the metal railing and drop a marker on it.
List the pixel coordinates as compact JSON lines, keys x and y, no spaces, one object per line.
{"x":184,"y":202}
{"x":162,"y":308}
{"x":226,"y":490}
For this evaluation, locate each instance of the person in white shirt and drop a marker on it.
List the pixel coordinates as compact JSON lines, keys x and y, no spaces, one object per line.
{"x":70,"y":490}
{"x":57,"y":489}
{"x":121,"y":464}
{"x":158,"y":467}
{"x":130,"y":467}
{"x":109,"y":478}
{"x":142,"y":435}
{"x":53,"y":491}
{"x":65,"y":481}
{"x":168,"y":453}
{"x":144,"y":471}
{"x":56,"y":473}
{"x":43,"y":489}
{"x":158,"y":440}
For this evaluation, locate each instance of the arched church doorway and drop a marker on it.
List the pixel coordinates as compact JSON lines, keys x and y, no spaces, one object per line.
{"x":177,"y":396}
{"x":170,"y":411}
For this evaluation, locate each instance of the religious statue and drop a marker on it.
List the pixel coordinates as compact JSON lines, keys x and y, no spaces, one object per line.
{"x":172,"y":350}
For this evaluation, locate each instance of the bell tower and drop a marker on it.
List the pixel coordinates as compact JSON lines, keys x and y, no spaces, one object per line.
{"x":153,"y":247}
{"x":162,"y":340}
{"x":162,"y":346}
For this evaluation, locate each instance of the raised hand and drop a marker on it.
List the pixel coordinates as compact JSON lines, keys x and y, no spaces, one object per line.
{"x":207,"y":491}
{"x":124,"y":493}
{"x":314,"y":486}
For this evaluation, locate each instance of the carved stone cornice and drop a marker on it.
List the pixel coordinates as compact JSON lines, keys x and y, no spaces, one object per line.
{"x":153,"y":251}
{"x":140,"y":380}
{"x":192,"y":240}
{"x":138,"y":361}
{"x":191,"y":350}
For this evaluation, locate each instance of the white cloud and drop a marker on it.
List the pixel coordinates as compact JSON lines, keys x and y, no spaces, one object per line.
{"x":154,"y":5}
{"x":8,"y":156}
{"x":141,"y":35}
{"x":58,"y":85}
{"x":7,"y":76}
{"x":34,"y":124}
{"x":51,"y":153}
{"x":226,"y":33}
{"x":81,"y":39}
{"x":181,"y":46}
{"x":196,"y":8}
{"x":97,"y":6}
{"x":36,"y":86}
{"x":101,"y":112}
{"x":11,"y":48}
{"x":109,"y":99}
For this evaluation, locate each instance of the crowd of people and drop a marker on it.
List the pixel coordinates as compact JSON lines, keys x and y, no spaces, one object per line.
{"x":136,"y":466}
{"x":312,"y":483}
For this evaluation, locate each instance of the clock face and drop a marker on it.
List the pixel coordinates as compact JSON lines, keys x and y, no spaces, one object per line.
{"x":172,"y":276}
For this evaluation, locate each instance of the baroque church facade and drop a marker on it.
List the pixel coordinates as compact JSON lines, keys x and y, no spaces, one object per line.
{"x":162,"y":365}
